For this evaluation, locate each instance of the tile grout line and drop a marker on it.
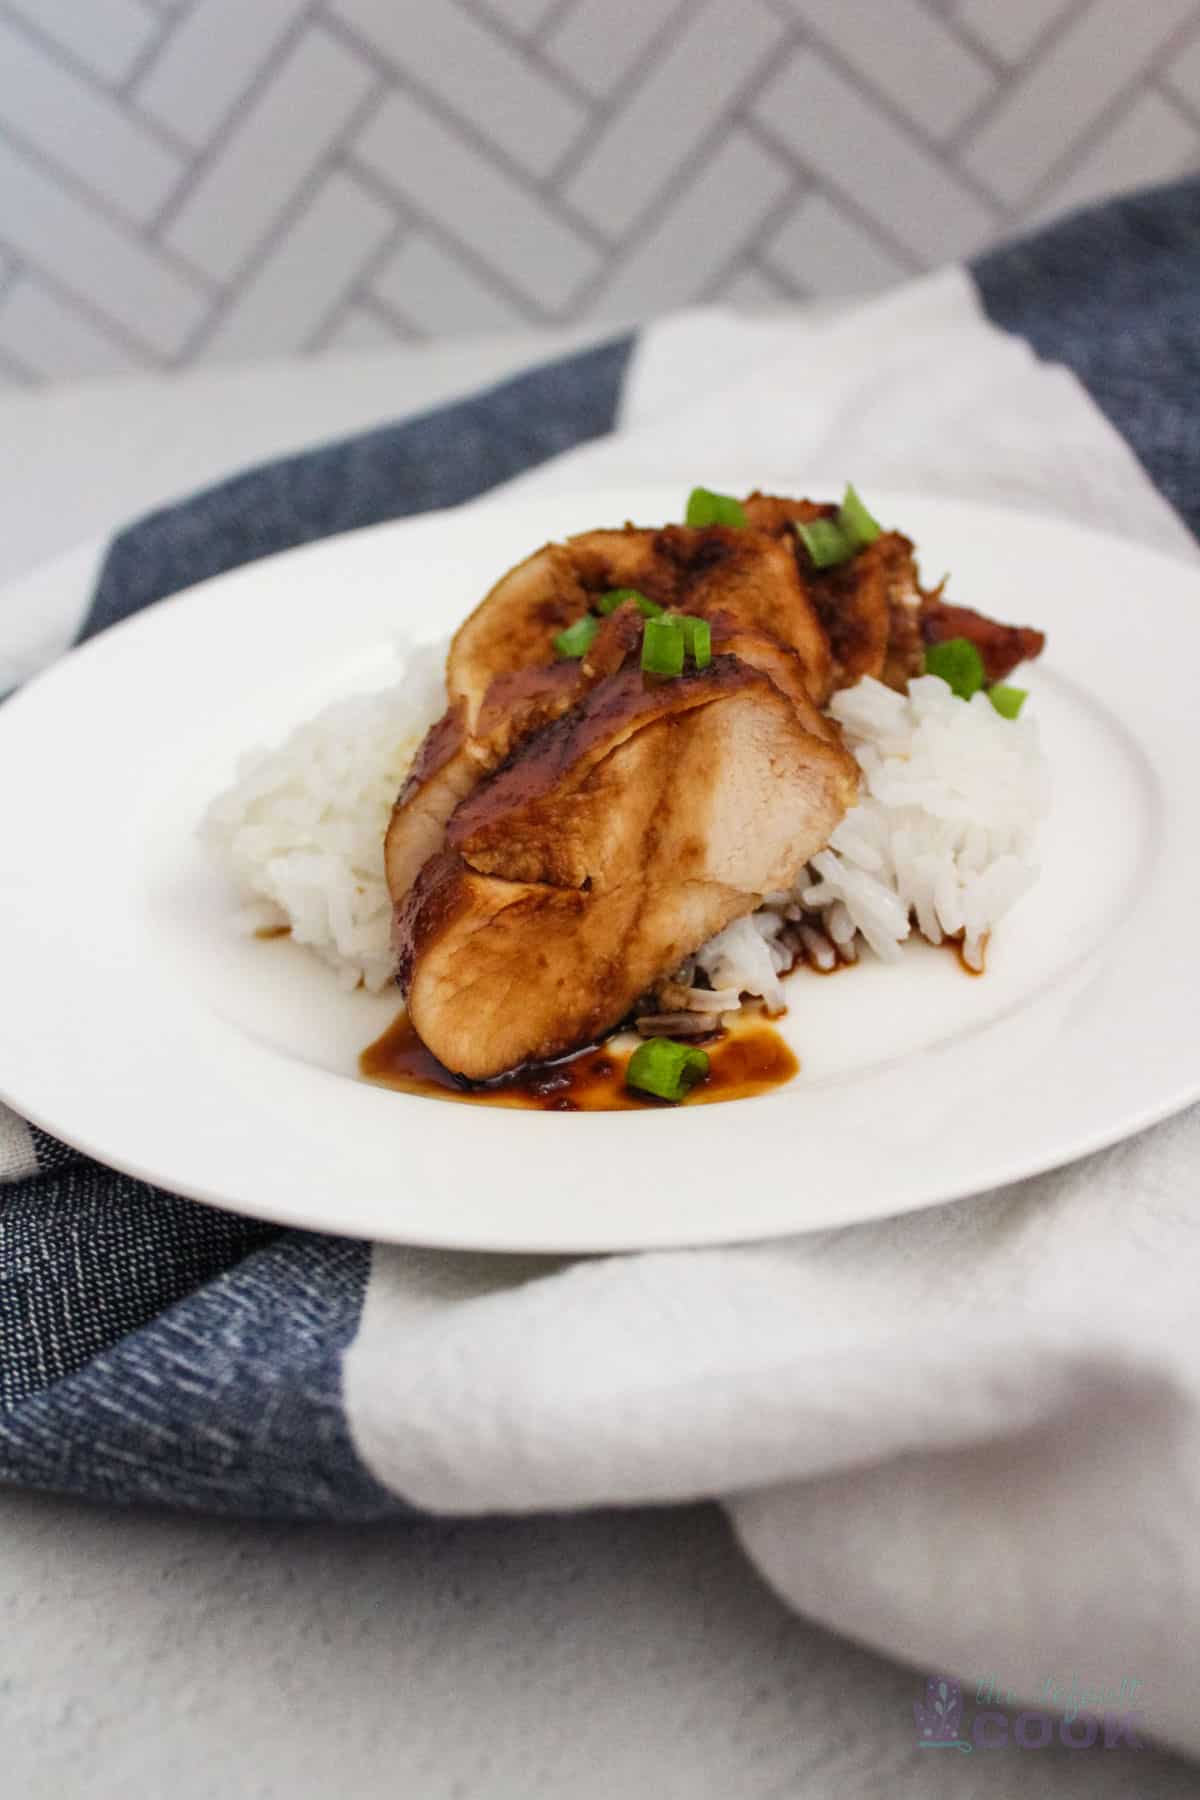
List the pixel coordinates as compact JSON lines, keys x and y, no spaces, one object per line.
{"x":961,"y":138}
{"x":404,"y":82}
{"x":782,"y":276}
{"x":123,"y":335}
{"x":235,"y":116}
{"x":1187,"y":109}
{"x":92,"y":198}
{"x":804,"y":184}
{"x":55,"y":51}
{"x":551,"y":19}
{"x":1119,"y":103}
{"x":371,"y":303}
{"x":879,"y":96}
{"x":704,"y":152}
{"x":751,"y":247}
{"x":432,"y":224}
{"x":679,"y":179}
{"x":880,"y":101}
{"x":62,"y":58}
{"x":536,"y":188}
{"x":119,"y":221}
{"x":952,"y":25}
{"x":399,"y":322}
{"x":392,"y":240}
{"x":168,"y":26}
{"x":70,"y":179}
{"x":174,"y":10}
{"x":528,"y":50}
{"x":170,"y":140}
{"x":653,"y":55}
{"x":823,"y":184}
{"x":284,"y":219}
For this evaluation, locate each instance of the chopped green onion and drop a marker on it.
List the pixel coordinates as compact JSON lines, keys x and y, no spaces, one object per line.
{"x":706,"y":508}
{"x":1007,"y":701}
{"x":578,"y":638}
{"x":608,"y":603}
{"x":825,"y":542}
{"x":833,"y":541}
{"x":856,"y":521}
{"x":666,"y":1069}
{"x":662,"y":647}
{"x":958,"y":663}
{"x":697,"y":636}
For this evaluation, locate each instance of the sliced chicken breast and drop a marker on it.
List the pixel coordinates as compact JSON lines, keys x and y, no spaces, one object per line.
{"x":867,"y":606}
{"x":503,"y":680}
{"x":1001,"y":647}
{"x":874,"y":610}
{"x":748,"y":574}
{"x":609,"y":847}
{"x":453,"y":758}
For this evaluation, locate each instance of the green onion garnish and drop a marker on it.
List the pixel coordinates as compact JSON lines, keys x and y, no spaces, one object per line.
{"x":697,"y":637}
{"x":706,"y":508}
{"x":1007,"y":701}
{"x":578,"y":638}
{"x":856,"y":521}
{"x":608,"y":603}
{"x":662,"y":646}
{"x":958,"y":663}
{"x":825,"y":542}
{"x":666,"y":1069}
{"x":833,"y":541}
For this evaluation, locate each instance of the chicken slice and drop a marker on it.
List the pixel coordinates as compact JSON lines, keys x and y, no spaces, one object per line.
{"x":748,"y":574}
{"x":759,"y":650}
{"x":607,"y":849}
{"x":503,"y":681}
{"x":1002,"y":647}
{"x":878,"y":617}
{"x":452,"y":759}
{"x":868,"y":606}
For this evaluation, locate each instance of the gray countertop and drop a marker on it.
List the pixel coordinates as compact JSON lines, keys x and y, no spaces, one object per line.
{"x":614,"y":1654}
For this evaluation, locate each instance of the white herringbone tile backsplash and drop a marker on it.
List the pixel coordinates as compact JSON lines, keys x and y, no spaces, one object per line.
{"x":183,"y":180}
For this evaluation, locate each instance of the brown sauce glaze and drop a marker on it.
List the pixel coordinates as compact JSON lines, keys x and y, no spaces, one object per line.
{"x":267,"y":932}
{"x":747,"y":1060}
{"x":955,"y":944}
{"x":812,"y":967}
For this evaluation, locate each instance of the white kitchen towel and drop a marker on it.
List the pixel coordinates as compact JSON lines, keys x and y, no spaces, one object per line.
{"x":916,"y":390}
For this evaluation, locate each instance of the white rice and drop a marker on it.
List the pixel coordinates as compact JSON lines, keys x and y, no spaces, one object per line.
{"x":301,"y":829}
{"x":950,"y":800}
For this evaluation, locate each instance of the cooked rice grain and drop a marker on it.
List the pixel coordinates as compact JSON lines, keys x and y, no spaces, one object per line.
{"x":300,"y":831}
{"x":950,"y":799}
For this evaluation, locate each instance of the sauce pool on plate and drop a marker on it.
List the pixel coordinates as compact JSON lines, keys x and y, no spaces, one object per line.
{"x":750,"y":1059}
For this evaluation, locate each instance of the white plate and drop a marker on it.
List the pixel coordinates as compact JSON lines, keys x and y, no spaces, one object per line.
{"x":136,"y":1025}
